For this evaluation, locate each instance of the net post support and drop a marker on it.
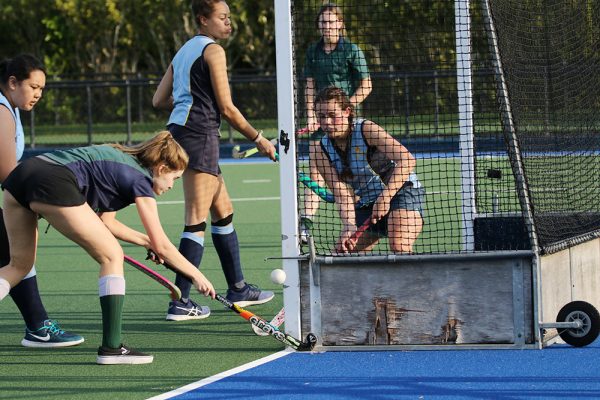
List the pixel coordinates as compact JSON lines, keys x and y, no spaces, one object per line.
{"x":290,"y":246}
{"x":465,"y":120}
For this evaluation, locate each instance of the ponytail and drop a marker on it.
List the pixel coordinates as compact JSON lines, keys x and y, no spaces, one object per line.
{"x":160,"y":149}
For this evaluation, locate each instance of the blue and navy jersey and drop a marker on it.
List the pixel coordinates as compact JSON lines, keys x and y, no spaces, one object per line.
{"x":195,"y":105}
{"x":368,"y":166}
{"x":108,"y":178}
{"x":19,"y":135}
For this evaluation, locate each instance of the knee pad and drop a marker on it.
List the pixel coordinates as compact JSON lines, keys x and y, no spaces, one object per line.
{"x":201,"y":227}
{"x":223,"y":222}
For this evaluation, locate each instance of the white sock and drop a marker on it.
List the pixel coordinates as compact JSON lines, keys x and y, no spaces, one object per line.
{"x":4,"y":288}
{"x":111,"y":285}
{"x":31,"y":273}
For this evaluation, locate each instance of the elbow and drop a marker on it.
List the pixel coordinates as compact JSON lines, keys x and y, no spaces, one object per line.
{"x":157,"y":102}
{"x":161,"y":249}
{"x":228,"y":111}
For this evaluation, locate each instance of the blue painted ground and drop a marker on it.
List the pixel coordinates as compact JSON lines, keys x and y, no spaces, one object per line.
{"x":556,"y":372}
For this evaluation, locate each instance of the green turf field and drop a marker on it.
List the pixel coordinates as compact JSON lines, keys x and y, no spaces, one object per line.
{"x":184,"y":351}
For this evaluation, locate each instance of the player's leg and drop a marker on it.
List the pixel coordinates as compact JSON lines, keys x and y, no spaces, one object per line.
{"x":404,"y":227}
{"x":40,"y":331}
{"x":405,"y":221}
{"x":199,"y":185}
{"x":21,"y":225}
{"x":198,"y":188}
{"x":226,"y":243}
{"x":81,"y":225}
{"x":311,"y":201}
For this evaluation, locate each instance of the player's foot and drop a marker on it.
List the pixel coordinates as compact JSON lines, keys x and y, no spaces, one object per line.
{"x":249,"y":296}
{"x":122,"y":355}
{"x":180,"y":311}
{"x":50,"y":335}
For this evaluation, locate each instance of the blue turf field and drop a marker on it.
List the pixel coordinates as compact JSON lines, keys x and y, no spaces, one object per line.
{"x":556,"y":372}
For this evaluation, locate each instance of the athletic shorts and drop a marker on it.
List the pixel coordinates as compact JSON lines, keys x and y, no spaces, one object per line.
{"x":44,"y":181}
{"x":202,"y":148}
{"x":407,"y":198}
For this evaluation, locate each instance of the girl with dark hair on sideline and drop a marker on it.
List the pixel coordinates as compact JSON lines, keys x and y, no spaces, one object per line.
{"x":78,"y":192}
{"x":195,"y":88}
{"x":22,"y":80}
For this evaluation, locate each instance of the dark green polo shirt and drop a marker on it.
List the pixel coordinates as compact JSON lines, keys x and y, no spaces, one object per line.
{"x":344,"y":67}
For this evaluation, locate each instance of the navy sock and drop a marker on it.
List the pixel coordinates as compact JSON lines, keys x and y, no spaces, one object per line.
{"x":25,"y":294}
{"x":226,"y":243}
{"x":192,"y":248}
{"x":27,"y":298}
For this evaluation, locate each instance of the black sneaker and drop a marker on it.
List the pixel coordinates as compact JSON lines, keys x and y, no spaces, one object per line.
{"x":249,"y":296}
{"x":122,"y":355}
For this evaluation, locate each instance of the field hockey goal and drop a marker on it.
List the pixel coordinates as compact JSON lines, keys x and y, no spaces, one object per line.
{"x":498,"y":103}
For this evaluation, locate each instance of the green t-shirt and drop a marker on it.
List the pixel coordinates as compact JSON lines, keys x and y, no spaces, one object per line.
{"x":344,"y":67}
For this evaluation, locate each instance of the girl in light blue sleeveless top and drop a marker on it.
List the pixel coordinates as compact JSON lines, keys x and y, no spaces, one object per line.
{"x":22,"y":80}
{"x":371,"y":175}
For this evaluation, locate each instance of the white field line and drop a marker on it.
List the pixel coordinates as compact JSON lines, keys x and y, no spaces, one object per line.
{"x":222,"y":375}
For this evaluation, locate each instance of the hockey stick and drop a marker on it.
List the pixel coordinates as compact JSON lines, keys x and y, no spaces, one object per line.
{"x":288,"y":340}
{"x":174,"y":290}
{"x":359,"y":232}
{"x":276,"y":322}
{"x":236,"y":153}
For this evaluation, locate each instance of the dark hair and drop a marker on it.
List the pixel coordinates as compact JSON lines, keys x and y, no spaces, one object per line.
{"x":203,"y":8}
{"x":340,"y":97}
{"x":20,"y":67}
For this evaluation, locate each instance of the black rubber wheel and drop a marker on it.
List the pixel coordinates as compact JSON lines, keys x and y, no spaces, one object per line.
{"x":590,"y":320}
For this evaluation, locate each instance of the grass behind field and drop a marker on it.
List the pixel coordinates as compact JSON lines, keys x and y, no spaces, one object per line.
{"x":185,"y":351}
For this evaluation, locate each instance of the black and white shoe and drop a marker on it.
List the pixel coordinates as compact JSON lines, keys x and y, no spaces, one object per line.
{"x":122,"y":355}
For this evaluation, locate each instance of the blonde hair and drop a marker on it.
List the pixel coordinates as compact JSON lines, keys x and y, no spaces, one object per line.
{"x":160,"y":149}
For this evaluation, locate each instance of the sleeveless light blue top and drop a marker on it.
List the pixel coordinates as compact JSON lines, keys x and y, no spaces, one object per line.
{"x":194,"y":102}
{"x":366,"y":182}
{"x":19,"y":134}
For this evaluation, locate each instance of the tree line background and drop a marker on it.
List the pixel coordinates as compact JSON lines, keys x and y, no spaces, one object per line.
{"x":409,"y":46}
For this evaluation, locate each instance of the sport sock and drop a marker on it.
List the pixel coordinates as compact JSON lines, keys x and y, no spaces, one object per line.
{"x":191,"y":246}
{"x":112,"y":297}
{"x":226,"y":243}
{"x":27,"y":298}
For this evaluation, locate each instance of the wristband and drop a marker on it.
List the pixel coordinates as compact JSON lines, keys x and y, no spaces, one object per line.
{"x":258,"y":137}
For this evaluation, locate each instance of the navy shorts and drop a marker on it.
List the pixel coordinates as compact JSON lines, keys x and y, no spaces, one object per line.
{"x":202,"y":148}
{"x":44,"y":181}
{"x":407,"y":198}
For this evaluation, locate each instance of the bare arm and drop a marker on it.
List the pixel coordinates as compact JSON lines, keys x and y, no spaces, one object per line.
{"x":216,"y":60}
{"x":165,"y":250}
{"x":376,"y":136}
{"x":163,"y":97}
{"x":344,"y":197}
{"x":361,"y":93}
{"x":309,"y":99}
{"x":123,"y":232}
{"x":8,"y":151}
